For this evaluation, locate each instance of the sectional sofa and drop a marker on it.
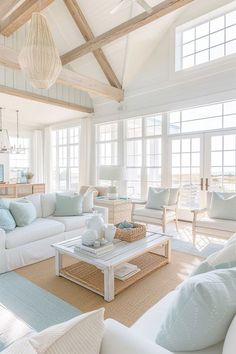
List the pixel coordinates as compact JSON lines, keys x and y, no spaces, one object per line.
{"x":32,"y":243}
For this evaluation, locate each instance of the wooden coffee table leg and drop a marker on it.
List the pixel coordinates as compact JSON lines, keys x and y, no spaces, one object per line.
{"x":109,"y":287}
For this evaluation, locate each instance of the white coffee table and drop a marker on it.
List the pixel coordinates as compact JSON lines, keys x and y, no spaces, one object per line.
{"x":145,"y":253}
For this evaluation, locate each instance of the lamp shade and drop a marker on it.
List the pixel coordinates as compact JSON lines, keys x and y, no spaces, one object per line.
{"x":112,"y":173}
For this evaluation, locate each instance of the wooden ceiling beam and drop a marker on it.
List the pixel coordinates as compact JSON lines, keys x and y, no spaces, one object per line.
{"x":21,"y":15}
{"x":6,"y":6}
{"x":131,"y":25}
{"x":88,"y":35}
{"x":44,"y":99}
{"x":9,"y":58}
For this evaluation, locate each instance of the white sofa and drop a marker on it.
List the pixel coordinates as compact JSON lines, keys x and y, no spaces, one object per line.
{"x":32,"y":243}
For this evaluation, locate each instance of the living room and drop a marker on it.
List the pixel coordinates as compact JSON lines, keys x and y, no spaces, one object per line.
{"x":118,"y":176}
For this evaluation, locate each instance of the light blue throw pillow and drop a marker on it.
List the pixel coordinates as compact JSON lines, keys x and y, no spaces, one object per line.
{"x":223,"y":206}
{"x":68,"y":205}
{"x":4,"y":203}
{"x":201,"y":313}
{"x":23,"y":211}
{"x":157,"y":198}
{"x":7,"y":221}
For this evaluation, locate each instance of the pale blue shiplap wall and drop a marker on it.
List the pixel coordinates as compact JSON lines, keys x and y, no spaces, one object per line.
{"x":15,"y":79}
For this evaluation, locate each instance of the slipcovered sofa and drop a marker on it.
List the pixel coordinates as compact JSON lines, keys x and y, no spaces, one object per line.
{"x":32,"y":243}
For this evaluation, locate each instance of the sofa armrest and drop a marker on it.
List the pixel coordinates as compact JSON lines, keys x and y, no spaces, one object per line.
{"x":103,"y":211}
{"x":119,"y":339}
{"x":2,"y":239}
{"x":172,"y":207}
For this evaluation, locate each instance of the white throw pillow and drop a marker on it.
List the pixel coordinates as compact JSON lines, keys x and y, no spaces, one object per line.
{"x":230,"y":339}
{"x":48,"y":203}
{"x":82,"y":334}
{"x":223,"y":206}
{"x":88,"y":200}
{"x":157,"y":198}
{"x":36,"y":200}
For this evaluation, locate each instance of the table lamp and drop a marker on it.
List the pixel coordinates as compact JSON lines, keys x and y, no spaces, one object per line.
{"x":112,"y":173}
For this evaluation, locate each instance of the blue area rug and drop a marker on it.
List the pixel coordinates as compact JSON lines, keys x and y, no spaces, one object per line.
{"x":187,"y":247}
{"x":25,"y":307}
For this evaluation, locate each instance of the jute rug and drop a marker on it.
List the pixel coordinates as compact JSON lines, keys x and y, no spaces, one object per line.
{"x":130,"y":304}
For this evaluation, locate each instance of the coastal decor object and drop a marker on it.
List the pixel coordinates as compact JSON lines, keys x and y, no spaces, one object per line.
{"x":112,"y":173}
{"x":89,"y":237}
{"x":110,"y":232}
{"x":29,"y":176}
{"x":39,"y":59}
{"x":135,"y":233}
{"x":96,"y":223}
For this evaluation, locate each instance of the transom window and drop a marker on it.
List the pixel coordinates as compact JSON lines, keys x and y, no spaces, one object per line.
{"x":210,"y":117}
{"x":208,"y":41}
{"x":66,"y":159}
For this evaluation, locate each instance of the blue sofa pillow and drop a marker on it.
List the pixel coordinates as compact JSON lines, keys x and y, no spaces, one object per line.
{"x":69,"y":205}
{"x":200,"y":315}
{"x":23,"y":211}
{"x":7,"y":221}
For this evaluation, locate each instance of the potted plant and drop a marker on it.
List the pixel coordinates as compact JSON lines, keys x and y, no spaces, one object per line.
{"x":29,"y":176}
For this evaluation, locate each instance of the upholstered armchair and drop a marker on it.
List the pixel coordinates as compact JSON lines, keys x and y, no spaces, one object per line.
{"x":160,"y":208}
{"x":218,"y":219}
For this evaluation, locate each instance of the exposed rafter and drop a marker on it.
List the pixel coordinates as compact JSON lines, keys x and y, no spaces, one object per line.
{"x":6,"y":6}
{"x":131,"y":25}
{"x":9,"y":58}
{"x":21,"y":15}
{"x":44,"y":99}
{"x":88,"y":35}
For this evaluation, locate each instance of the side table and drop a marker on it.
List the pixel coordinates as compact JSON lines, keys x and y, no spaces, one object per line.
{"x":118,"y":209}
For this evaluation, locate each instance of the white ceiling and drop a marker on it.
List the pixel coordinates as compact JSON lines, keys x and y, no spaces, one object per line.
{"x":34,"y":114}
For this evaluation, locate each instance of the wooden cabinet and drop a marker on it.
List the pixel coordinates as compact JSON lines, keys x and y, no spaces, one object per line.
{"x":17,"y":190}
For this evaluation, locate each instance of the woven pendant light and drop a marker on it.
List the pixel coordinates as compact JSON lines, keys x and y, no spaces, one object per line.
{"x":39,"y":59}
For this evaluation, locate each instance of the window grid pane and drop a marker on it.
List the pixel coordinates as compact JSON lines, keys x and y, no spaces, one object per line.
{"x":19,"y":163}
{"x":209,"y":41}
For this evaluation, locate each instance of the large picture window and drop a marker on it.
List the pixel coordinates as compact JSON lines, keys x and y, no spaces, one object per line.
{"x":66,"y":159}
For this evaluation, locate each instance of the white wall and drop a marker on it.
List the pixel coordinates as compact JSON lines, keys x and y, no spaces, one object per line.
{"x":158,"y":88}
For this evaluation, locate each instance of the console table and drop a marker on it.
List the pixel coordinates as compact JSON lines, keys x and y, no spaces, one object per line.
{"x":17,"y":190}
{"x":118,"y":209}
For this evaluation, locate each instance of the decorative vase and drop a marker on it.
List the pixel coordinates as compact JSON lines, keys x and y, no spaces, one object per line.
{"x":89,"y":237}
{"x":96,"y":223}
{"x":110,"y":231}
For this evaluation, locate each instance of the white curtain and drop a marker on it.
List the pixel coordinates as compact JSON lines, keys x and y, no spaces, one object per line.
{"x":85,"y":151}
{"x":47,"y":159}
{"x":38,"y":156}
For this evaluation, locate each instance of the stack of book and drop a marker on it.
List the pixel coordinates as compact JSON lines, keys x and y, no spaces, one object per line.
{"x":94,"y":251}
{"x":125,"y":271}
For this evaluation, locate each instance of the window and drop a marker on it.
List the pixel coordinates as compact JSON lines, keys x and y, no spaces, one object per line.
{"x":207,"y":41}
{"x":19,"y":162}
{"x":210,"y":117}
{"x":65,"y":144}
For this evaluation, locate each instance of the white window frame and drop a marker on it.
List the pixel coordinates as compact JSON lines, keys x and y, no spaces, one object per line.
{"x":13,"y":158}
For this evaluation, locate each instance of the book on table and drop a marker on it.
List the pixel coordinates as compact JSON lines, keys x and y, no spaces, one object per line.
{"x":125,"y":271}
{"x":95,"y":251}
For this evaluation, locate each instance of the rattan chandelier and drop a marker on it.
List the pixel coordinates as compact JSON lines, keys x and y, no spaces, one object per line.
{"x":39,"y":59}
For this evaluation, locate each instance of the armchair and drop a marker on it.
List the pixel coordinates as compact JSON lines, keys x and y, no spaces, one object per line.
{"x":212,"y":226}
{"x":162,"y":216}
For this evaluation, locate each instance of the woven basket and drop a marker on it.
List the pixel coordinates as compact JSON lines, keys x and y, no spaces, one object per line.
{"x":129,"y":235}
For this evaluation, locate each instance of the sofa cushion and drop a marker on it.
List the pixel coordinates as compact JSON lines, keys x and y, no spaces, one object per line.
{"x":68,"y":205}
{"x":230,"y":339}
{"x":48,"y":204}
{"x":72,"y":222}
{"x":218,"y":224}
{"x":153,"y":213}
{"x":222,"y":207}
{"x":157,"y":198}
{"x":36,"y":200}
{"x":39,"y":229}
{"x":201,"y":313}
{"x":82,"y":334}
{"x":7,"y":222}
{"x":23,"y":211}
